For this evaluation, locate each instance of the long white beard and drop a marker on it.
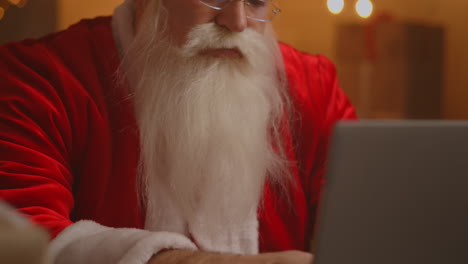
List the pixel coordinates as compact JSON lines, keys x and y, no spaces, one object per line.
{"x":208,"y":125}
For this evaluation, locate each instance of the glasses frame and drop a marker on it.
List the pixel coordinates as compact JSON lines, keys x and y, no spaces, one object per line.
{"x":276,"y":10}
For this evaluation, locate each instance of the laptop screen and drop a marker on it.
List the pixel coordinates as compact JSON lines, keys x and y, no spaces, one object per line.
{"x":396,"y":193}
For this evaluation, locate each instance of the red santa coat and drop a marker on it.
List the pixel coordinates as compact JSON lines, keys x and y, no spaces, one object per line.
{"x":69,"y":140}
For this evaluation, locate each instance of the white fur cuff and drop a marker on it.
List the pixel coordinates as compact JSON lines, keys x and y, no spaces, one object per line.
{"x":89,"y":242}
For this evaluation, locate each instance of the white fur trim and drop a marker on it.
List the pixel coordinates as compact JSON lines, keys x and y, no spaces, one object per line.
{"x":238,"y":239}
{"x":90,"y":242}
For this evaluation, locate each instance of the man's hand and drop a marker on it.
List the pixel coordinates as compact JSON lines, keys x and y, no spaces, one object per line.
{"x":284,"y":257}
{"x":200,"y":257}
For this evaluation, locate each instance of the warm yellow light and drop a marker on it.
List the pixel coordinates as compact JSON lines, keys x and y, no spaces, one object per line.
{"x":18,"y":3}
{"x":335,"y":6}
{"x":364,"y":8}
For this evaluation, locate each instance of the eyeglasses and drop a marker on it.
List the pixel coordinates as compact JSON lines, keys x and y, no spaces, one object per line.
{"x":259,"y":10}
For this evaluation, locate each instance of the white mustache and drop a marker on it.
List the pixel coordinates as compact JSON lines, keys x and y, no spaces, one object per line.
{"x":211,"y":36}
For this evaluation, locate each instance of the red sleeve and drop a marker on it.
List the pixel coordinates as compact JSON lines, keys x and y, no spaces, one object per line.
{"x":336,"y":106}
{"x":35,"y":137}
{"x":318,"y":103}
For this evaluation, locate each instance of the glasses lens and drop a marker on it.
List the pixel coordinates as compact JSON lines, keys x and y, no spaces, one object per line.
{"x":262,"y":10}
{"x":215,"y":4}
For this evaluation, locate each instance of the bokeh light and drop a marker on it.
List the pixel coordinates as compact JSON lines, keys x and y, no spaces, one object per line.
{"x":335,"y":6}
{"x":364,"y":8}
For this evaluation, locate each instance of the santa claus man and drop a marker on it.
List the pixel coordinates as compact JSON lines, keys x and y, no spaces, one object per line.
{"x":173,"y":131}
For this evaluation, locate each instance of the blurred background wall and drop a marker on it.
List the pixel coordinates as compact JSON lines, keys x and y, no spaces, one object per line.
{"x":310,"y":27}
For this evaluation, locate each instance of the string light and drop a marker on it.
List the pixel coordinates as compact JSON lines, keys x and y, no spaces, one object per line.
{"x":335,"y":6}
{"x":364,"y":8}
{"x":5,"y":4}
{"x":3,"y":7}
{"x":18,"y":3}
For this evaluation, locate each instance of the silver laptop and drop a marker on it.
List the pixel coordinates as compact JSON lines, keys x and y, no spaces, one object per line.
{"x":397,"y":193}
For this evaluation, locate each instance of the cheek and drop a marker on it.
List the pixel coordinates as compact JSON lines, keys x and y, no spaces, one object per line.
{"x":183,"y":15}
{"x":178,"y":27}
{"x":257,"y":26}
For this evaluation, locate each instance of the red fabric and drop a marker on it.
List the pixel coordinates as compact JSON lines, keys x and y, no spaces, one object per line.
{"x":69,"y":141}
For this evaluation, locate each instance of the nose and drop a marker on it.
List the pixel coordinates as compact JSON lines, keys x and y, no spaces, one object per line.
{"x":233,"y":16}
